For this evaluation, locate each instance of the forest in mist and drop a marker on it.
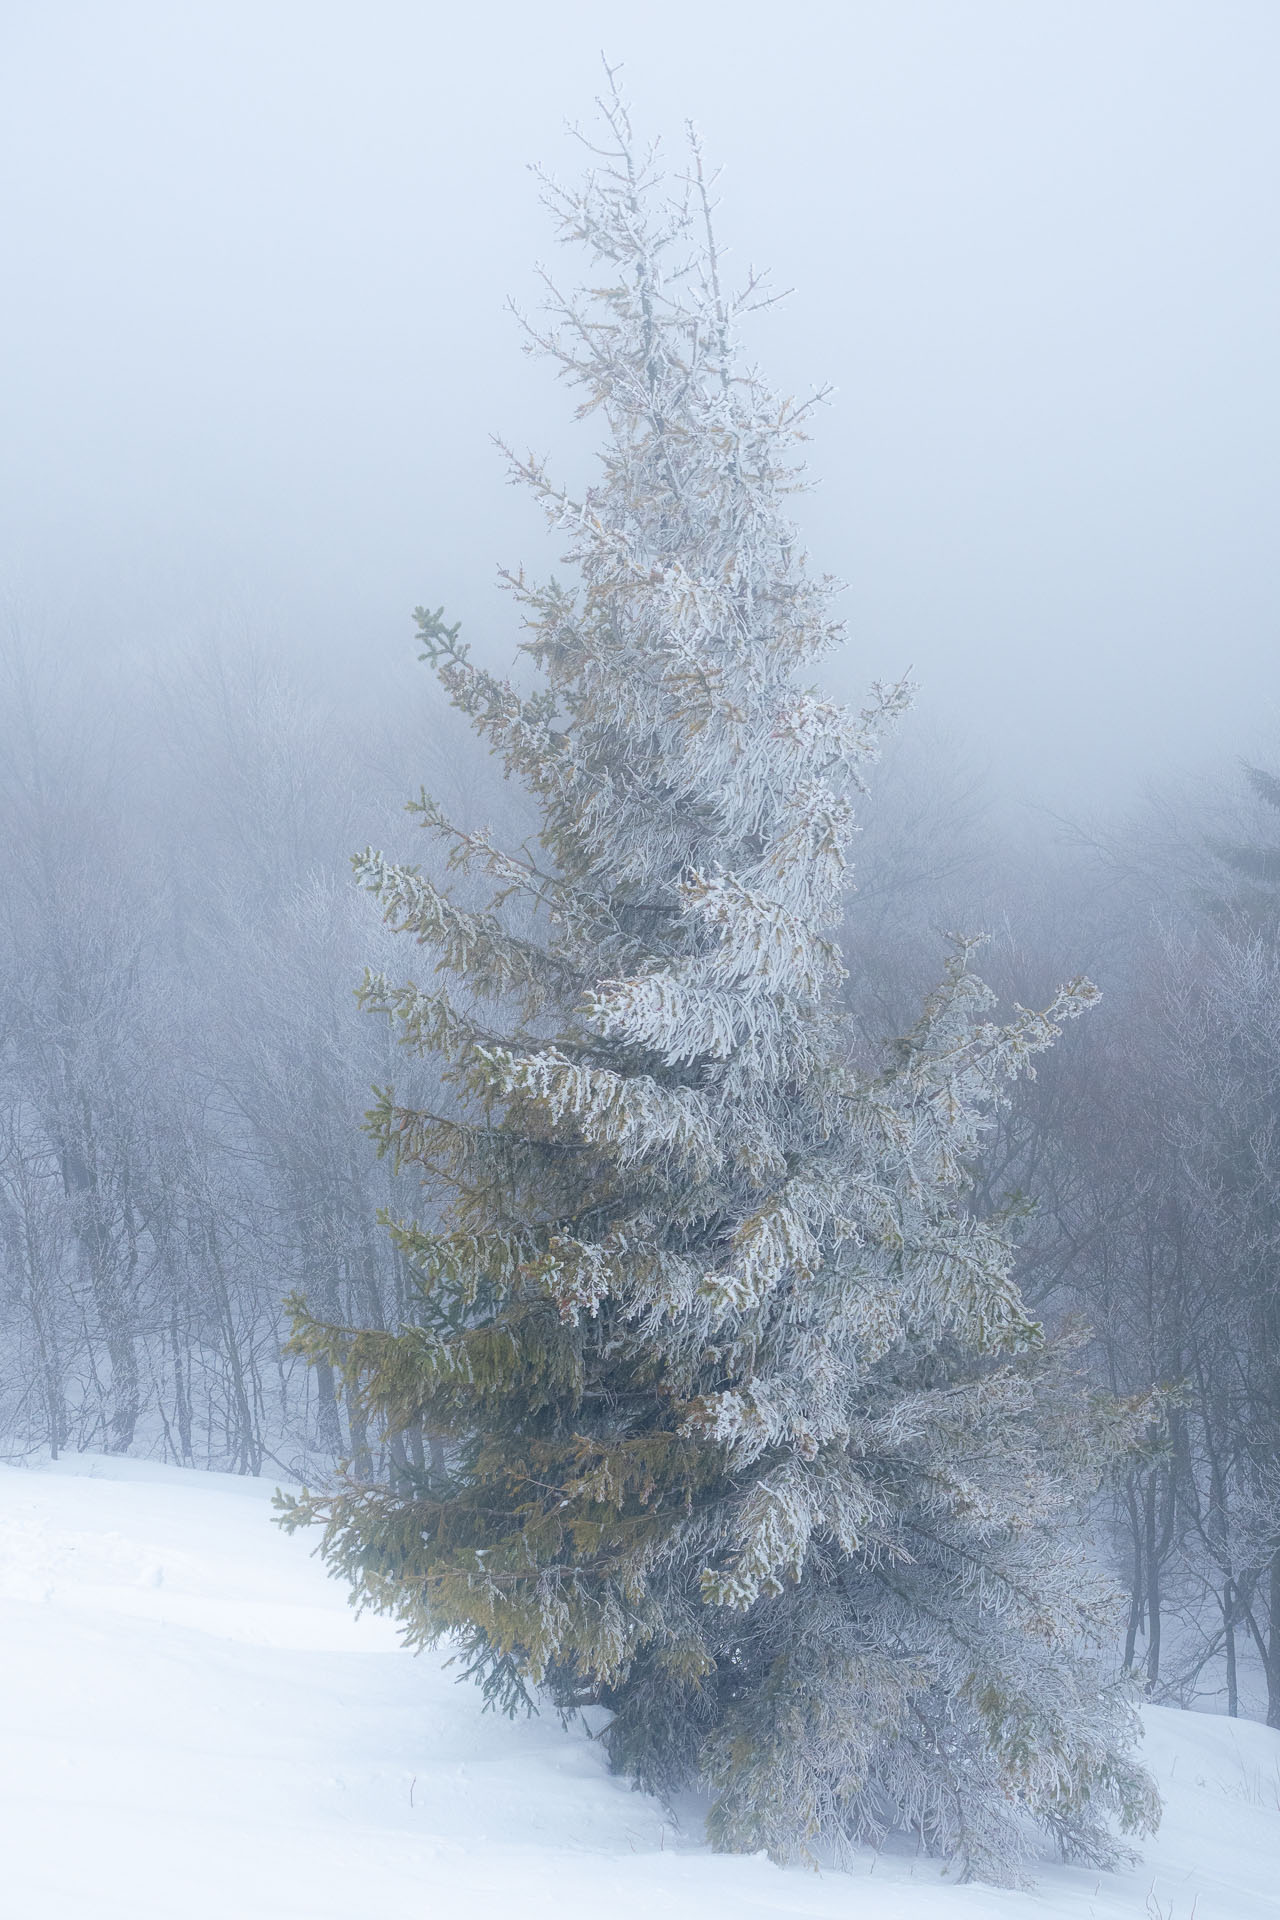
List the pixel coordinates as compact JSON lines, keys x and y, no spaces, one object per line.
{"x":708,"y":1298}
{"x":183,"y":1073}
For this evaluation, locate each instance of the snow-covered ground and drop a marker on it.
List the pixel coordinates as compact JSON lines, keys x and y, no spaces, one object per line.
{"x":193,"y":1725}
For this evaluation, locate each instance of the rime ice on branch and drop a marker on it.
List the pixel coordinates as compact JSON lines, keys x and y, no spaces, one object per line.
{"x":742,"y":1427}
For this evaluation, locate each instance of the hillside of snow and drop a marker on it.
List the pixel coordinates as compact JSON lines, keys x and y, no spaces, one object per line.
{"x":193,"y":1723}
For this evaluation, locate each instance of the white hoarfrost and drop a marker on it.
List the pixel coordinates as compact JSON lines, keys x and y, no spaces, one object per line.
{"x":822,"y":1554}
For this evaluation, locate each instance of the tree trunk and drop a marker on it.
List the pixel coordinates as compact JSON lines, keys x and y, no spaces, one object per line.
{"x":1153,"y":1588}
{"x":1229,"y":1638}
{"x":1273,"y":1644}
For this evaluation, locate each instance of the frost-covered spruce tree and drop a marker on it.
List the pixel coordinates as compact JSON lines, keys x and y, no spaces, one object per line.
{"x":741,"y":1426}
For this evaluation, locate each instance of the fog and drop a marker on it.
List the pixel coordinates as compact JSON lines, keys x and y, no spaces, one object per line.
{"x":255,"y":344}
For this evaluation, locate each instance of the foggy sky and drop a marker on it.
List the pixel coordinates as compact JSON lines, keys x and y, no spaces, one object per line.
{"x":254,"y":345}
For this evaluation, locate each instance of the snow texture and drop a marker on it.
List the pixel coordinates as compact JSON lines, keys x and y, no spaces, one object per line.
{"x":193,"y":1722}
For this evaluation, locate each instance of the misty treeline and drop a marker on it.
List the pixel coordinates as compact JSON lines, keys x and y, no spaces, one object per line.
{"x":184,"y":1072}
{"x":182,"y":1069}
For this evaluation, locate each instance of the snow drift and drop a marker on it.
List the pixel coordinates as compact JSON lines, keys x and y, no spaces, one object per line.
{"x":194,"y":1722}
